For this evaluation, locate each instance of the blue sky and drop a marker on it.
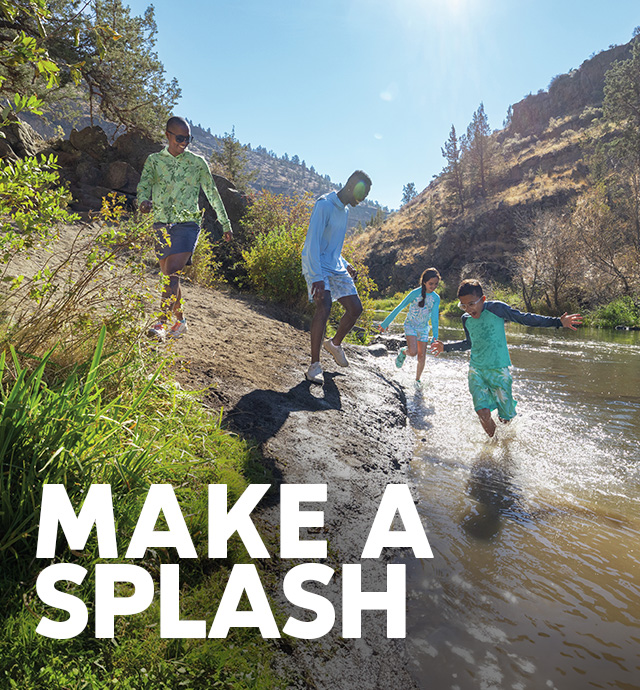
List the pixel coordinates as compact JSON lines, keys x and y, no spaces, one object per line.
{"x":372,"y":84}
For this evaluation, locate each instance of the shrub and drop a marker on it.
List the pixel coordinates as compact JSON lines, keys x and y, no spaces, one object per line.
{"x":623,"y":311}
{"x":273,"y":265}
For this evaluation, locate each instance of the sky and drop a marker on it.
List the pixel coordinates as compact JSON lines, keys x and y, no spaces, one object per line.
{"x":371,"y":84}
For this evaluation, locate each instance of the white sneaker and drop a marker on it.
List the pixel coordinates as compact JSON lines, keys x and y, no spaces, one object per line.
{"x":336,"y":352}
{"x":178,"y":329}
{"x":158,"y":330}
{"x":314,"y":373}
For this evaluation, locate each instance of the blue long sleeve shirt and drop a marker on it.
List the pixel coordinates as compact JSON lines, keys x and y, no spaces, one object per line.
{"x":418,"y":317}
{"x":486,"y":337}
{"x":322,"y":251}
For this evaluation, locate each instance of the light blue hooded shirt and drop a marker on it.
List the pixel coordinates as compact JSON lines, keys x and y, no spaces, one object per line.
{"x":322,"y":251}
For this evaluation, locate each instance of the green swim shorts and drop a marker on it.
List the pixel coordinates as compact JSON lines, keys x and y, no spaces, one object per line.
{"x":491,"y":389}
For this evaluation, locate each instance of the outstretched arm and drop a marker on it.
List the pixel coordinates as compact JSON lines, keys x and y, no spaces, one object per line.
{"x":408,"y":298}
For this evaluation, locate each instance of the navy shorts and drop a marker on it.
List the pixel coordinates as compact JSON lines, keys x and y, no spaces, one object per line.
{"x":176,"y":238}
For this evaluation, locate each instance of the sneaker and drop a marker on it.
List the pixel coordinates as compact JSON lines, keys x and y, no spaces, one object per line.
{"x":158,"y":330}
{"x":417,"y":385}
{"x":178,"y":329}
{"x":402,"y":355}
{"x":336,"y":352}
{"x":314,"y":373}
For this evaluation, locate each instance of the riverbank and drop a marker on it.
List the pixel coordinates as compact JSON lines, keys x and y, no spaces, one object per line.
{"x":351,"y":434}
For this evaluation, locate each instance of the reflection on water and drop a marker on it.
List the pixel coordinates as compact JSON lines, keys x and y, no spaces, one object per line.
{"x":535,"y":580}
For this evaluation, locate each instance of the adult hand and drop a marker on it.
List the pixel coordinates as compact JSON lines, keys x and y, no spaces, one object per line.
{"x":228,"y":236}
{"x":352,"y":271}
{"x":437,"y":347}
{"x":146,"y":206}
{"x":571,"y":320}
{"x":317,"y":290}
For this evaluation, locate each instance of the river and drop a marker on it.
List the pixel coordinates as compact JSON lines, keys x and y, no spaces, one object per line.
{"x":535,"y":580}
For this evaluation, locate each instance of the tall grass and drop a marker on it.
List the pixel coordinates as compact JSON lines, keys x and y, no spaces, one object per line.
{"x":65,"y":434}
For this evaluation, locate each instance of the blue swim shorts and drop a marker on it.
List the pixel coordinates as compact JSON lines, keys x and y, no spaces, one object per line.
{"x":421,"y":335}
{"x":491,"y":389}
{"x":339,"y":285}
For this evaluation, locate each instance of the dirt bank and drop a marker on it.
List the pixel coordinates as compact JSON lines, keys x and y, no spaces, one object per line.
{"x":351,"y":434}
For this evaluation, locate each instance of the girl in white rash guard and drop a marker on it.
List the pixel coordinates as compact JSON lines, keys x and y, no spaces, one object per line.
{"x":421,"y":321}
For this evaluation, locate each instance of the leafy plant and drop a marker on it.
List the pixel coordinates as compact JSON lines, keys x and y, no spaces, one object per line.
{"x":623,"y":311}
{"x":63,"y":434}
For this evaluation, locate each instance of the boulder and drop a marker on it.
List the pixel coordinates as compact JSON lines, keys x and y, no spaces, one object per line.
{"x":23,"y":139}
{"x":122,"y":177}
{"x":90,"y":140}
{"x":134,"y":148}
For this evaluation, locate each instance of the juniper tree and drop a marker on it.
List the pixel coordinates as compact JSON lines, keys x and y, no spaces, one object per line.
{"x":231,"y":161}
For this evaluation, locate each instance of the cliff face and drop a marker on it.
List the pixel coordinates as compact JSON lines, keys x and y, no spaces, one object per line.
{"x":568,"y":93}
{"x":538,"y":163}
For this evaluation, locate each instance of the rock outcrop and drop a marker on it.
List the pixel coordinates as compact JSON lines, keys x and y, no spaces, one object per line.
{"x":92,"y":168}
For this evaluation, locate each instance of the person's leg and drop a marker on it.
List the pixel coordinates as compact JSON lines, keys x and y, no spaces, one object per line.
{"x":171,"y":292}
{"x":318,"y":324}
{"x":503,"y":383}
{"x":352,"y":310}
{"x":487,"y":421}
{"x":412,"y":345}
{"x":422,"y":356}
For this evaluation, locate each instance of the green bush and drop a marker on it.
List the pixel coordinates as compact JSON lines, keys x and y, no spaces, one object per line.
{"x":274,"y":266}
{"x":623,"y":311}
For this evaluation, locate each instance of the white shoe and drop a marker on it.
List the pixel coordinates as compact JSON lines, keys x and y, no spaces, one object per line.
{"x":178,"y":329}
{"x":314,"y":373}
{"x":336,"y":352}
{"x":158,"y":331}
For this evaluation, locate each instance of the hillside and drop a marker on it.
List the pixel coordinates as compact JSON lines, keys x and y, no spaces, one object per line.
{"x":540,"y":163}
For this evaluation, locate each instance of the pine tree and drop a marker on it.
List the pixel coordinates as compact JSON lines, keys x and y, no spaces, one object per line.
{"x":408,"y":193}
{"x":453,"y":168}
{"x":231,"y":162}
{"x":478,"y":148}
{"x":111,"y":54}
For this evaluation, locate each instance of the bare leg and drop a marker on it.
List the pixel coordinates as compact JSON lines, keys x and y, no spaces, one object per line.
{"x":422,"y":356}
{"x":353,"y":308}
{"x":487,"y":421}
{"x":412,"y":345}
{"x":171,"y":292}
{"x":318,"y":324}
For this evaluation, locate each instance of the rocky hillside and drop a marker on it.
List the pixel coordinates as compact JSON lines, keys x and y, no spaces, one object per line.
{"x":539,"y":162}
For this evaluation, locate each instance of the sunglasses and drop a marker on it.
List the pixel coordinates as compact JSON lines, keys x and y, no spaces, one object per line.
{"x":181,"y":137}
{"x":466,"y":307}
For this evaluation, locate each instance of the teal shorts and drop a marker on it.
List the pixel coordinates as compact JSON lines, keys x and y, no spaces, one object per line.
{"x":491,"y":389}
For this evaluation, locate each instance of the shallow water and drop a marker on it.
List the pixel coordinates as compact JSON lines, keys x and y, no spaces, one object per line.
{"x":535,"y":580}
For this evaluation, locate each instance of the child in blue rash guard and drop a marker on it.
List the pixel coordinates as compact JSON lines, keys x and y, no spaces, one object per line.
{"x":423,"y":310}
{"x":489,"y":375}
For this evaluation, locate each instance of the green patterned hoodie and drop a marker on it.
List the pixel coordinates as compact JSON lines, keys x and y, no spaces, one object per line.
{"x":173,"y":184}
